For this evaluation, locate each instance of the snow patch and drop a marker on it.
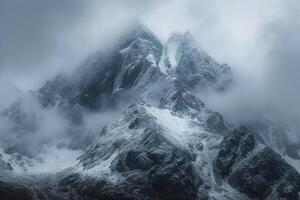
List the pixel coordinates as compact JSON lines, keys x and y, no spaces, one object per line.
{"x":178,"y":128}
{"x":151,"y":59}
{"x":161,"y":64}
{"x":51,"y":159}
{"x":171,"y":50}
{"x":168,"y":62}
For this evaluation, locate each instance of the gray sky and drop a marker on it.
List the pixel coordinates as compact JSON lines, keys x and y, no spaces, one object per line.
{"x":41,"y":37}
{"x":259,"y":39}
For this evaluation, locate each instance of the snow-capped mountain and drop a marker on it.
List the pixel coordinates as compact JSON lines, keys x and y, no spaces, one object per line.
{"x":185,"y":60}
{"x":167,"y":144}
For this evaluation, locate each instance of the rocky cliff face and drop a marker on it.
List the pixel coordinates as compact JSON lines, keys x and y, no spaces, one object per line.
{"x":166,"y":145}
{"x":254,"y":168}
{"x":99,"y":81}
{"x":191,"y":65}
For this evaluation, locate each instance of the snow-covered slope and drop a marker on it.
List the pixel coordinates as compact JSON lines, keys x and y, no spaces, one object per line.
{"x":185,"y":60}
{"x":167,"y":144}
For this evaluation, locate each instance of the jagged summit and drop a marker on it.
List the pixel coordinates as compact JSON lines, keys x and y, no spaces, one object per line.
{"x":167,"y":144}
{"x":106,"y":75}
{"x":185,"y":60}
{"x":135,"y":32}
{"x":176,"y":41}
{"x":129,"y":72}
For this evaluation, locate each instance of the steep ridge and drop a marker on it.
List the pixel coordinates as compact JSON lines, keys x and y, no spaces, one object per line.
{"x":105,"y":75}
{"x":166,"y":145}
{"x":125,"y":73}
{"x":276,"y":136}
{"x":191,"y":65}
{"x":131,"y":69}
{"x":255,"y":169}
{"x":149,"y":153}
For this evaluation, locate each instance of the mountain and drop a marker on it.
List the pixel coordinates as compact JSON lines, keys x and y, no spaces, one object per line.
{"x":99,"y":81}
{"x":138,"y":61}
{"x":166,"y":145}
{"x":183,"y":59}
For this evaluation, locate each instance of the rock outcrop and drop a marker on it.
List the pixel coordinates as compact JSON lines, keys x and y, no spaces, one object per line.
{"x":167,"y":145}
{"x":255,"y":169}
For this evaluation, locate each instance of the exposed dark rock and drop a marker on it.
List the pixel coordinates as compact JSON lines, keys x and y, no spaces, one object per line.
{"x":134,"y":124}
{"x":86,"y":188}
{"x":234,"y":147}
{"x":260,"y":174}
{"x":177,"y":181}
{"x":143,"y":158}
{"x":94,"y":83}
{"x":288,"y":188}
{"x":265,"y":173}
{"x":194,"y":67}
{"x":215,"y":123}
{"x":151,"y":166}
{"x":9,"y":191}
{"x":168,"y":169}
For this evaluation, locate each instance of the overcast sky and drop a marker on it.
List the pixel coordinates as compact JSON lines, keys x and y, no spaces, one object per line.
{"x":259,"y":39}
{"x":40,"y":37}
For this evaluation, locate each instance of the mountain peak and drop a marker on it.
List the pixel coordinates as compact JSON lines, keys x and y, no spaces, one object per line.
{"x":185,"y":60}
{"x":177,"y":36}
{"x":137,"y":31}
{"x":188,"y":35}
{"x":167,"y":132}
{"x":175,"y":42}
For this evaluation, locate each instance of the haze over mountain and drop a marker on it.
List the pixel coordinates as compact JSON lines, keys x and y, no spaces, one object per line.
{"x":145,"y":116}
{"x":166,"y":145}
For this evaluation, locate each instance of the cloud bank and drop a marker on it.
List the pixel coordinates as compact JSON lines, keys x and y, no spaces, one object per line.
{"x":259,"y":39}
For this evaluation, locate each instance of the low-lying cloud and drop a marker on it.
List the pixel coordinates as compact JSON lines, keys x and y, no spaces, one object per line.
{"x":259,"y":39}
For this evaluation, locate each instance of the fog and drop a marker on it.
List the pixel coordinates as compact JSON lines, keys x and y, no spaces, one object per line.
{"x":267,"y":81}
{"x":46,"y":138}
{"x":258,"y":39}
{"x":40,"y":38}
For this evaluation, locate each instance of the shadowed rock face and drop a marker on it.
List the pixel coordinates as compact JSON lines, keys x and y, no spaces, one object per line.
{"x":126,"y":72}
{"x":234,"y":147}
{"x":151,"y":165}
{"x":193,"y":66}
{"x":9,"y":191}
{"x":167,"y":171}
{"x":142,"y":156}
{"x":266,"y":174}
{"x":259,"y":173}
{"x":148,"y":165}
{"x":93,"y":84}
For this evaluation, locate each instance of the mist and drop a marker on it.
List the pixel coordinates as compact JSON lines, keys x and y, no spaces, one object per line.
{"x":259,"y":40}
{"x":41,"y":38}
{"x":267,"y":83}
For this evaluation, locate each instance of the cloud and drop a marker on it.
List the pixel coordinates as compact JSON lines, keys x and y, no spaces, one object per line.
{"x":282,"y":70}
{"x":40,"y":38}
{"x":259,"y":39}
{"x":268,"y":82}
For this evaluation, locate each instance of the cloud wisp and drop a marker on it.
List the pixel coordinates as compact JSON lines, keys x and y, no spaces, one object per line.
{"x":259,"y":39}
